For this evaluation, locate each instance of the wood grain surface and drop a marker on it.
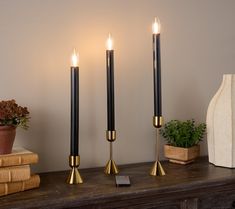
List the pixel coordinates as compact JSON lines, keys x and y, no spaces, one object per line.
{"x":197,"y":185}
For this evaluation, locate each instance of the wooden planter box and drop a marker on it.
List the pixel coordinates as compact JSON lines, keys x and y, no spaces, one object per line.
{"x":181,"y":155}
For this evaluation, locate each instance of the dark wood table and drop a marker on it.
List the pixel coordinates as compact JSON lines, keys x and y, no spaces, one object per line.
{"x":195,"y":186}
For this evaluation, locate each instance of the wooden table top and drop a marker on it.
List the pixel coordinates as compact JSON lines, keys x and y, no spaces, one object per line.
{"x":54,"y":193}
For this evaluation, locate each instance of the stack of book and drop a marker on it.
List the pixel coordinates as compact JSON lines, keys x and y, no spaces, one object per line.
{"x":15,"y":172}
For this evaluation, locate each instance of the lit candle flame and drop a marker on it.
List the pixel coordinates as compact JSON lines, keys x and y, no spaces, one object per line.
{"x":109,"y":43}
{"x":74,"y":59}
{"x":156,"y":26}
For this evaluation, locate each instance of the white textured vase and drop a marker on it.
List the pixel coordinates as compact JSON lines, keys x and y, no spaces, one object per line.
{"x":221,"y":124}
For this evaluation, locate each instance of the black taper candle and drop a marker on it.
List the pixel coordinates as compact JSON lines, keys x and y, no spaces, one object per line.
{"x":157,"y":75}
{"x":74,"y":149}
{"x":110,"y":90}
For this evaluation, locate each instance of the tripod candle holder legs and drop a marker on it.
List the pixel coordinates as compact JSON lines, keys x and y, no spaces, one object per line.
{"x":74,"y":176}
{"x":111,"y":167}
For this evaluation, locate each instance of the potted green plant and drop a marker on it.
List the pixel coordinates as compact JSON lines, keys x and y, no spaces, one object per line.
{"x":11,"y":116}
{"x":182,"y":139}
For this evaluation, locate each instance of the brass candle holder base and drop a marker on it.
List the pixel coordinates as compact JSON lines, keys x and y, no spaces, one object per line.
{"x":157,"y":169}
{"x":74,"y":176}
{"x":111,"y":167}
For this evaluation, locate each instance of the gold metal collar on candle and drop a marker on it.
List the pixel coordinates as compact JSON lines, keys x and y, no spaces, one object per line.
{"x":111,"y":136}
{"x":74,"y":161}
{"x":158,"y":121}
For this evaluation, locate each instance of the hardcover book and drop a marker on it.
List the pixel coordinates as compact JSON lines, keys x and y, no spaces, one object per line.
{"x":14,"y":173}
{"x":13,"y":187}
{"x":19,"y":156}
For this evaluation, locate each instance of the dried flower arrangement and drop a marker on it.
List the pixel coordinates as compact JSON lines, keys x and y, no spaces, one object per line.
{"x":11,"y":114}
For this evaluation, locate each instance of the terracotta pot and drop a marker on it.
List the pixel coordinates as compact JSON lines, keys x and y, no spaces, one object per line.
{"x":181,"y":155}
{"x":7,"y":137}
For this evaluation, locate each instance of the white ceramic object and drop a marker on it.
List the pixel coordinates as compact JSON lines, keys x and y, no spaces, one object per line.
{"x":221,"y":124}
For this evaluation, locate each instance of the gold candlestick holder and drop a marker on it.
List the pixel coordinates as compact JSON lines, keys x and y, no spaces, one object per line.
{"x":157,"y":169}
{"x":74,"y":176}
{"x":111,"y":167}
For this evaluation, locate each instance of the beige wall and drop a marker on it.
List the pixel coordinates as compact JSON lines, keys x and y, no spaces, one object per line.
{"x":36,"y":41}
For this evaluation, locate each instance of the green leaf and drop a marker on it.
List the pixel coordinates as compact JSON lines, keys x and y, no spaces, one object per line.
{"x":183,"y":133}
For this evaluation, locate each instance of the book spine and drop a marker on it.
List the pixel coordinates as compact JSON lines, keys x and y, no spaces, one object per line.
{"x":14,"y":173}
{"x":23,"y":159}
{"x":14,"y":187}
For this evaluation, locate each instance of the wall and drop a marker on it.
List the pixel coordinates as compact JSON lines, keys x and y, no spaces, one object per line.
{"x":37,"y":38}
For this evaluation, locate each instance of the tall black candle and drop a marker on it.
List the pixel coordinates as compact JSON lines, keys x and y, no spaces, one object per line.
{"x":110,"y":86}
{"x":157,"y":69}
{"x":74,"y":137}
